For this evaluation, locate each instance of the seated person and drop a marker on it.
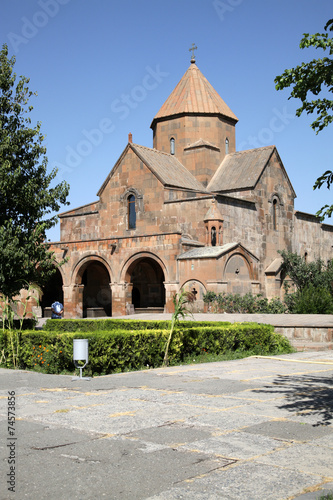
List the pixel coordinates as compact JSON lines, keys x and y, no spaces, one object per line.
{"x":57,"y":309}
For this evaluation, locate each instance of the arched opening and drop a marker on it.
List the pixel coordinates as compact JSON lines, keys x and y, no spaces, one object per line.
{"x":237,"y":275}
{"x":198,"y":290}
{"x":227,"y":146}
{"x":147,"y":278}
{"x":96,"y":292}
{"x":131,"y":212}
{"x":275,"y":214}
{"x":213,"y":236}
{"x":172,"y":146}
{"x":52,"y":292}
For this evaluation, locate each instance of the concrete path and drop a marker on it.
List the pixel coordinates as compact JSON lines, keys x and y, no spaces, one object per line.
{"x":252,"y":429}
{"x":306,"y":320}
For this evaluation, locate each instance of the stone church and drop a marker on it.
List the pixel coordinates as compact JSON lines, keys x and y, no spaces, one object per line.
{"x":191,"y":212}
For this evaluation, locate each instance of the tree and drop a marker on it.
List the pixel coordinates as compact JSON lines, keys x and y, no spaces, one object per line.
{"x":313,"y":282}
{"x":180,"y":301}
{"x":314,"y":78}
{"x":26,"y":199}
{"x":303,"y":273}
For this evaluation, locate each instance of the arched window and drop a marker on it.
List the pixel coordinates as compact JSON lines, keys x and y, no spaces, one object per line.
{"x":213,"y":236}
{"x":131,"y":213}
{"x":172,"y":146}
{"x":275,"y":214}
{"x":227,"y":146}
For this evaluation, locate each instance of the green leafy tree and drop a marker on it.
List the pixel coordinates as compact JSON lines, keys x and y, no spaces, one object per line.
{"x":312,"y":83}
{"x":303,"y":273}
{"x":313,"y":300}
{"x":180,"y":301}
{"x":314,"y":285}
{"x":26,"y":199}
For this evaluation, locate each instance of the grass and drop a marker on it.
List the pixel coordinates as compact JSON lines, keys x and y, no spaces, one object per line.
{"x":212,"y":358}
{"x":327,"y":496}
{"x":189,"y":360}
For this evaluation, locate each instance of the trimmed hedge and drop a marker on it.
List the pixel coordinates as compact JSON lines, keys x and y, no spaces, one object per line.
{"x":92,"y":325}
{"x":126,"y":350}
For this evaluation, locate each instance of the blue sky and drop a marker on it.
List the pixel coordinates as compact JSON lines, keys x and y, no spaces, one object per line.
{"x":104,"y":68}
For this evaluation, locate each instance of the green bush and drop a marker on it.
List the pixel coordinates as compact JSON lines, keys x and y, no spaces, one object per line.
{"x":243,"y":304}
{"x":312,"y":300}
{"x":18,"y":324}
{"x":84,"y":325}
{"x":123,"y":349}
{"x":92,"y":325}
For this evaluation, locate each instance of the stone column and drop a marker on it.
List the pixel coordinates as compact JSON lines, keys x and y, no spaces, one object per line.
{"x":171,"y":288}
{"x":121,"y":296}
{"x":73,"y":301}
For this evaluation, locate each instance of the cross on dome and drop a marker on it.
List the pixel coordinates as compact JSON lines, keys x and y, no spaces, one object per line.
{"x":193,"y":48}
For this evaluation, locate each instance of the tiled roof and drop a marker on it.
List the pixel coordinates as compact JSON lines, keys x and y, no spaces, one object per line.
{"x":213,"y":213}
{"x":194,"y":94}
{"x":274,"y":266}
{"x":167,"y":168}
{"x":200,"y":143}
{"x":208,"y":252}
{"x":240,"y":170}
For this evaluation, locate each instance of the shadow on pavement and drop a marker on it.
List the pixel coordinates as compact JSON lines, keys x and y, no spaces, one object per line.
{"x":304,"y":394}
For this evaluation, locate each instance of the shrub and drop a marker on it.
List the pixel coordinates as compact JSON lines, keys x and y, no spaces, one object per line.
{"x":246,"y":304}
{"x":313,"y":300}
{"x":122,"y":350}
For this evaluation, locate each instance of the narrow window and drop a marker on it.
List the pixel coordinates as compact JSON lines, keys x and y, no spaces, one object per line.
{"x":306,"y":256}
{"x":131,"y":212}
{"x":213,"y":236}
{"x":275,"y":214}
{"x":172,"y":146}
{"x":227,"y":146}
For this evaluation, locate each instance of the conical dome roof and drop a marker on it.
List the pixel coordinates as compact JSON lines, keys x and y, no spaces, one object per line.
{"x":194,"y":95}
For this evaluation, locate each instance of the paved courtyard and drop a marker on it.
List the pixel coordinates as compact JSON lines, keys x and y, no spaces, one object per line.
{"x":258,"y":428}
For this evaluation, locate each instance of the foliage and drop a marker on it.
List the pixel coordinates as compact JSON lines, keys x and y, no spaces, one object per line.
{"x":243,"y":304}
{"x":313,"y":300}
{"x":309,"y":79}
{"x":313,"y":282}
{"x":180,"y":301}
{"x":124,"y":350}
{"x":303,"y":273}
{"x":109,"y":324}
{"x":15,"y":326}
{"x":26,"y":198}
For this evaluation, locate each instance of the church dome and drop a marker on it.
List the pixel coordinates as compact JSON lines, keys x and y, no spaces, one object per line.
{"x":194,"y":95}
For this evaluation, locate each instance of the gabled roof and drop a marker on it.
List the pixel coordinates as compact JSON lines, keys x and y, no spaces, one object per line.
{"x":242,"y":170}
{"x":274,"y":266}
{"x":201,"y":143}
{"x":194,"y":95}
{"x":167,"y":168}
{"x":213,"y":252}
{"x":169,"y":171}
{"x":213,"y":213}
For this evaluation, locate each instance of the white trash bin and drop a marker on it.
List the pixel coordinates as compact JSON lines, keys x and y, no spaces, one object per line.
{"x":80,"y":353}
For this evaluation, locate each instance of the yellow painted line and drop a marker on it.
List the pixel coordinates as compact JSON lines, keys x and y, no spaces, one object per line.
{"x":26,"y":394}
{"x":183,"y":370}
{"x":211,"y":408}
{"x":295,"y":360}
{"x":122,"y":414}
{"x":165,"y":391}
{"x":283,"y":375}
{"x":87,"y":406}
{"x":59,"y":389}
{"x":42,"y":401}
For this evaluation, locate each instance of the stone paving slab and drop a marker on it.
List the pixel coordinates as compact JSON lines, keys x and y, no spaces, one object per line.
{"x":246,"y":429}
